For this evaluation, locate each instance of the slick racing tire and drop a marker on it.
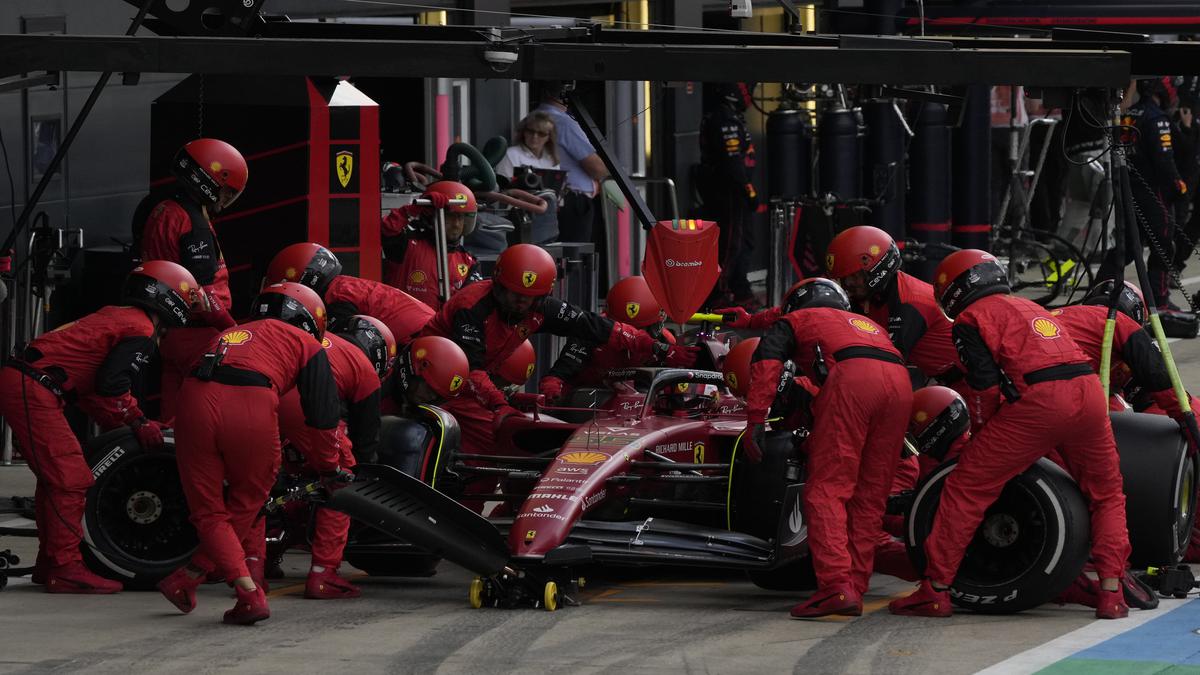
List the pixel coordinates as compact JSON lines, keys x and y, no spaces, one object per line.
{"x":1160,"y":487}
{"x":1032,"y":543}
{"x":135,"y":522}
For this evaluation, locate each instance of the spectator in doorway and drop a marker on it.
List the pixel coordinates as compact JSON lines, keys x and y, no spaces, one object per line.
{"x":534,"y":145}
{"x":578,"y":158}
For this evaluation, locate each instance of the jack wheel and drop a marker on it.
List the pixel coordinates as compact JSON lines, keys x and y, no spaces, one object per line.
{"x":475,"y":595}
{"x":550,"y":596}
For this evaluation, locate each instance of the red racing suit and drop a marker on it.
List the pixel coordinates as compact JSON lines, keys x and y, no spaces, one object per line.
{"x":1014,"y":350}
{"x":230,"y":434}
{"x":1136,"y":360}
{"x":861,"y":415}
{"x":411,"y":259}
{"x":358,"y":390}
{"x":91,"y":362}
{"x":917,"y":326}
{"x":171,"y":226}
{"x":399,"y":311}
{"x":471,"y":320}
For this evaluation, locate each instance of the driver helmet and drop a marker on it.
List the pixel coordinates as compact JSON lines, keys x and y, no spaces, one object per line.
{"x":685,"y":399}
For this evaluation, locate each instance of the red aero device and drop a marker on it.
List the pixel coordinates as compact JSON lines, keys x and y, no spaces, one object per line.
{"x":681,"y":265}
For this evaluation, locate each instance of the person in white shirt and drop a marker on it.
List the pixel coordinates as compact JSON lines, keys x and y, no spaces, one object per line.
{"x":534,"y":144}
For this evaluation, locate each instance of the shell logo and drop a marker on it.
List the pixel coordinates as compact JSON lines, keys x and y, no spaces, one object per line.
{"x":320,"y":312}
{"x":185,"y":286}
{"x":417,"y":277}
{"x":829,"y":261}
{"x":459,"y":195}
{"x":528,"y":278}
{"x":392,"y":350}
{"x":1045,"y":328}
{"x":463,"y":269}
{"x":420,"y":354}
{"x":216,"y":167}
{"x":290,"y":273}
{"x":921,"y":416}
{"x":583,"y":457}
{"x":456,"y":383}
{"x":632,"y":309}
{"x":874,"y":249}
{"x":325,"y":343}
{"x":864,"y":326}
{"x":731,"y":379}
{"x":941,"y":278}
{"x":529,"y":371}
{"x":237,"y":337}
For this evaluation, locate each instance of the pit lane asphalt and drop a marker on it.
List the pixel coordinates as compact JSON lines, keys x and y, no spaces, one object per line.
{"x":649,"y":622}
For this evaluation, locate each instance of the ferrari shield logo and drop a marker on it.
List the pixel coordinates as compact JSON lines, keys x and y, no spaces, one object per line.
{"x":463,"y":269}
{"x":529,"y":370}
{"x":731,"y":378}
{"x":455,"y":383}
{"x":828,"y":261}
{"x":698,"y":453}
{"x":632,"y":309}
{"x":528,"y":278}
{"x":344,"y":162}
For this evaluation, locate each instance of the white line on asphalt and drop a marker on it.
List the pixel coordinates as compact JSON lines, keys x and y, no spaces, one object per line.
{"x":1189,"y":281}
{"x":1076,"y":641}
{"x":17,"y":522}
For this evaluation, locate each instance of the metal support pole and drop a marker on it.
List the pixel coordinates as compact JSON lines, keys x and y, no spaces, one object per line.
{"x":442,"y":246}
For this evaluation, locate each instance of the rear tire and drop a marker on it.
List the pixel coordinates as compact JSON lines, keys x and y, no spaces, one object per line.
{"x":135,"y":524}
{"x":1160,"y":487}
{"x":1032,"y":543}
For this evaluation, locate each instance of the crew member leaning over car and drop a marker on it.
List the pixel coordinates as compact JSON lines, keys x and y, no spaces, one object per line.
{"x":490,"y":319}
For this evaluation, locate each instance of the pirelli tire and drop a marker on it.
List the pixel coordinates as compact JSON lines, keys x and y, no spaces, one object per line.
{"x":1032,"y":543}
{"x":1161,"y":477}
{"x":135,"y":522}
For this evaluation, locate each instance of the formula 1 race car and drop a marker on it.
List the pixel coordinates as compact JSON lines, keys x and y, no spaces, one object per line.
{"x":644,"y":470}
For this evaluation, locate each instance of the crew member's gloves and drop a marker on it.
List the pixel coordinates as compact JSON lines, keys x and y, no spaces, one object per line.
{"x":503,"y":413}
{"x":753,"y":441}
{"x":437,"y":200}
{"x":734,"y":317}
{"x":676,"y":356}
{"x":337,"y":479}
{"x":149,"y":434}
{"x":551,"y":387}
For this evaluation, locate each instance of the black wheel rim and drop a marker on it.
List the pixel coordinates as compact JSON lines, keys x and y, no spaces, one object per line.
{"x":141,"y":511}
{"x":1009,"y":541}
